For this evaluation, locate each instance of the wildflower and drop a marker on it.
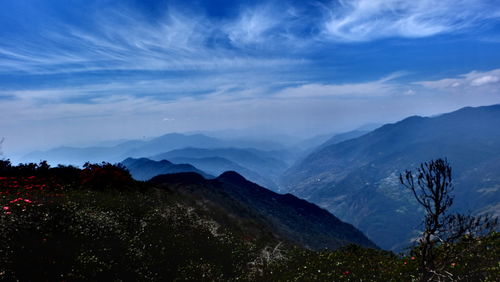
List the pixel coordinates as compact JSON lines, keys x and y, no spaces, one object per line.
{"x":453,"y":264}
{"x":346,"y":272}
{"x":405,"y":263}
{"x":7,"y":213}
{"x":412,"y":258}
{"x":6,"y":208}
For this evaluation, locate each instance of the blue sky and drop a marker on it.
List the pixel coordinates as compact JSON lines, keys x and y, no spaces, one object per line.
{"x":77,"y":71}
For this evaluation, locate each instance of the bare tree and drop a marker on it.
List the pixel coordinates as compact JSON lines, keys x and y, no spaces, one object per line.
{"x":432,"y":187}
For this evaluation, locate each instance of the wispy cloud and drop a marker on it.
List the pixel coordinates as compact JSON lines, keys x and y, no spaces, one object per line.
{"x":472,"y":82}
{"x":364,"y":20}
{"x":253,"y":26}
{"x":382,"y":87}
{"x":123,"y":40}
{"x":120,"y":38}
{"x":268,"y":26}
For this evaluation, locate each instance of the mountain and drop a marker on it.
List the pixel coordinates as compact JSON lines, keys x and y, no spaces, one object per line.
{"x":357,"y":179}
{"x":286,"y":217}
{"x":263,"y":167}
{"x":145,"y":169}
{"x":218,"y":165}
{"x":173,"y":141}
{"x":116,"y":153}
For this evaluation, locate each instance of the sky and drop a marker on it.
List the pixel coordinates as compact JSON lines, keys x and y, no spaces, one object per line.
{"x":74,"y":71}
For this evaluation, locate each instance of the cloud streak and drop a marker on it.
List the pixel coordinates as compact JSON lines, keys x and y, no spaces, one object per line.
{"x":474,"y":81}
{"x":124,"y":40}
{"x":120,"y":38}
{"x":365,"y":20}
{"x":382,"y":87}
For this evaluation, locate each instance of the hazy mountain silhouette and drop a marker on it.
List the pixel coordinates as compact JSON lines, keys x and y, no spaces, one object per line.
{"x":168,"y":142}
{"x":357,"y":179}
{"x":285,"y":216}
{"x":133,"y":148}
{"x":145,"y":169}
{"x":263,"y":167}
{"x":218,"y":165}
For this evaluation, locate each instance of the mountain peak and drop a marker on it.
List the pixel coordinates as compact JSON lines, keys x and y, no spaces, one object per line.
{"x":232,"y":176}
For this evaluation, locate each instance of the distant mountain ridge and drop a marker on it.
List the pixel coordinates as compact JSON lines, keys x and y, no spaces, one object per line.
{"x":140,"y":148}
{"x":145,"y":169}
{"x":357,"y":179}
{"x":133,"y":148}
{"x":264,"y":167}
{"x":219,"y":165}
{"x":286,"y":216}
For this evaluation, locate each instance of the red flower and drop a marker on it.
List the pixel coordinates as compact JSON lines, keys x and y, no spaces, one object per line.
{"x":6,"y":208}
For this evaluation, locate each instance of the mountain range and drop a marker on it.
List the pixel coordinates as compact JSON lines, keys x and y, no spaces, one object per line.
{"x":144,"y":148}
{"x":354,"y":175}
{"x":263,"y":167}
{"x":209,"y":154}
{"x":358,"y":179}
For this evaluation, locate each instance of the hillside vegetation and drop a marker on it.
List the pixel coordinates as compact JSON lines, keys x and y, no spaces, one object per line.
{"x":97,"y":223}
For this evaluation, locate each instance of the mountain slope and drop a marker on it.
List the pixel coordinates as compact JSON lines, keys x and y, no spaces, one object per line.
{"x":145,"y":169}
{"x":337,"y":138}
{"x":357,"y":179}
{"x":289,"y":218}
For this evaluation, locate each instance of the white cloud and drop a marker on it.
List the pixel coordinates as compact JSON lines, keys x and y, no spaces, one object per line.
{"x":252,"y":26}
{"x":382,"y":87}
{"x":364,"y":20}
{"x":265,"y":25}
{"x":485,"y":81}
